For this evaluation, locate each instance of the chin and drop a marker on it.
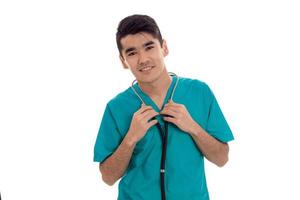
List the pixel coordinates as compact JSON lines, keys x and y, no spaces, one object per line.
{"x":150,"y":78}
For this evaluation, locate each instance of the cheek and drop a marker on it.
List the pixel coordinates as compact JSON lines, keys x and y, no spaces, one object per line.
{"x":159,"y":59}
{"x":132,"y":62}
{"x":156,"y":56}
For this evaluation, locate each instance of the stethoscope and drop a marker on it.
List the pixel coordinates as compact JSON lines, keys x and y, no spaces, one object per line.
{"x":164,"y":138}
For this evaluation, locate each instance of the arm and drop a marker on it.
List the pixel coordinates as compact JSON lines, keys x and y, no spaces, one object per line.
{"x":115,"y":166}
{"x":214,"y":150}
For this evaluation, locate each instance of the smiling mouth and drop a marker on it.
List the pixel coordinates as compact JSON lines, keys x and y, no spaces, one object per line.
{"x":145,"y":69}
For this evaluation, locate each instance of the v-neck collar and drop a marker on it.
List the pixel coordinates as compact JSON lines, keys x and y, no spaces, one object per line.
{"x":149,"y":101}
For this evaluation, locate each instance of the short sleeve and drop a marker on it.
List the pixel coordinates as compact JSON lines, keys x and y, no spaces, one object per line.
{"x":108,"y":138}
{"x":217,"y":125}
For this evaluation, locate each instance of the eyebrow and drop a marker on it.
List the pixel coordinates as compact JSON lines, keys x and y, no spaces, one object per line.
{"x":148,"y":43}
{"x":133,"y":48}
{"x":129,"y":49}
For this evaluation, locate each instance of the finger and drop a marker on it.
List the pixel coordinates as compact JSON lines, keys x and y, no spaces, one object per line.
{"x":169,"y":112}
{"x":173,"y":109}
{"x":170,"y":119}
{"x":148,"y":109}
{"x":152,"y":122}
{"x":172,"y":105}
{"x":171,"y":102}
{"x":143,"y":109}
{"x":149,"y":115}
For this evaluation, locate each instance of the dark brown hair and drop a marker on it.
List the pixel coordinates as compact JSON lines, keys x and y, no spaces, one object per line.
{"x":135,"y":24}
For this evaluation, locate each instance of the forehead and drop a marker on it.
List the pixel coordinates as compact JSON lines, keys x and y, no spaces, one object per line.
{"x":137,"y":40}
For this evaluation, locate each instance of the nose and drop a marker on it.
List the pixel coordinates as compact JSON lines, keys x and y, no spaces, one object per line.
{"x":143,"y":58}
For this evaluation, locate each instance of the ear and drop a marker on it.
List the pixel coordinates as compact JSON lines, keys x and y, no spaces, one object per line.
{"x":165,"y":48}
{"x":125,"y":66}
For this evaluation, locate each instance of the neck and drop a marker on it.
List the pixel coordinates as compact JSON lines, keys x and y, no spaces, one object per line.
{"x":158,"y":87}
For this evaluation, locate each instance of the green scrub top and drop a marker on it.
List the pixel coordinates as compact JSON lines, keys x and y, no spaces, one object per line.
{"x":184,"y":169}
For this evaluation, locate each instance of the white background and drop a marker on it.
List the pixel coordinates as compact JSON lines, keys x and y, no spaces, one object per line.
{"x":59,"y":67}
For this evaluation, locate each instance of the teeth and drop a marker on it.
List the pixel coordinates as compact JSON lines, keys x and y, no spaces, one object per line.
{"x":146,"y":69}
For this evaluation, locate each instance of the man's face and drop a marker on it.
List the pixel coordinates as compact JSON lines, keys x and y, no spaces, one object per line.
{"x":144,"y":56}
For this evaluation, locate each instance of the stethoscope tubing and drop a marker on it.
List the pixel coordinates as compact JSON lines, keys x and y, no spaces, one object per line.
{"x":164,"y":138}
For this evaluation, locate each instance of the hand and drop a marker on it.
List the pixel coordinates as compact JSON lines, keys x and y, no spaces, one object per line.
{"x":179,"y":116}
{"x":140,"y":122}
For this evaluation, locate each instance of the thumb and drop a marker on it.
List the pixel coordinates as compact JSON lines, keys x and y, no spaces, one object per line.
{"x":171,"y":101}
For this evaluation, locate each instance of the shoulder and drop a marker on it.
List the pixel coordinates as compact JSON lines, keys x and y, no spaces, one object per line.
{"x":193,"y":89}
{"x":120,"y":97}
{"x":123,"y":101}
{"x":195,"y":85}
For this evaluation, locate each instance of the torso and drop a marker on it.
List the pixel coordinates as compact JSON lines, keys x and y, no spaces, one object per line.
{"x":159,"y":101}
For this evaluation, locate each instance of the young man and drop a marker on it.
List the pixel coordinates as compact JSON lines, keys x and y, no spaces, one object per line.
{"x":131,"y":141}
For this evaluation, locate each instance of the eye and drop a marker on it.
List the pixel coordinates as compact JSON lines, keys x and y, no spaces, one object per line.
{"x":131,"y":53}
{"x":149,"y":47}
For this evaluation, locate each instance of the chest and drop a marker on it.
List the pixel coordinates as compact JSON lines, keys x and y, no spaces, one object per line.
{"x":159,"y":101}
